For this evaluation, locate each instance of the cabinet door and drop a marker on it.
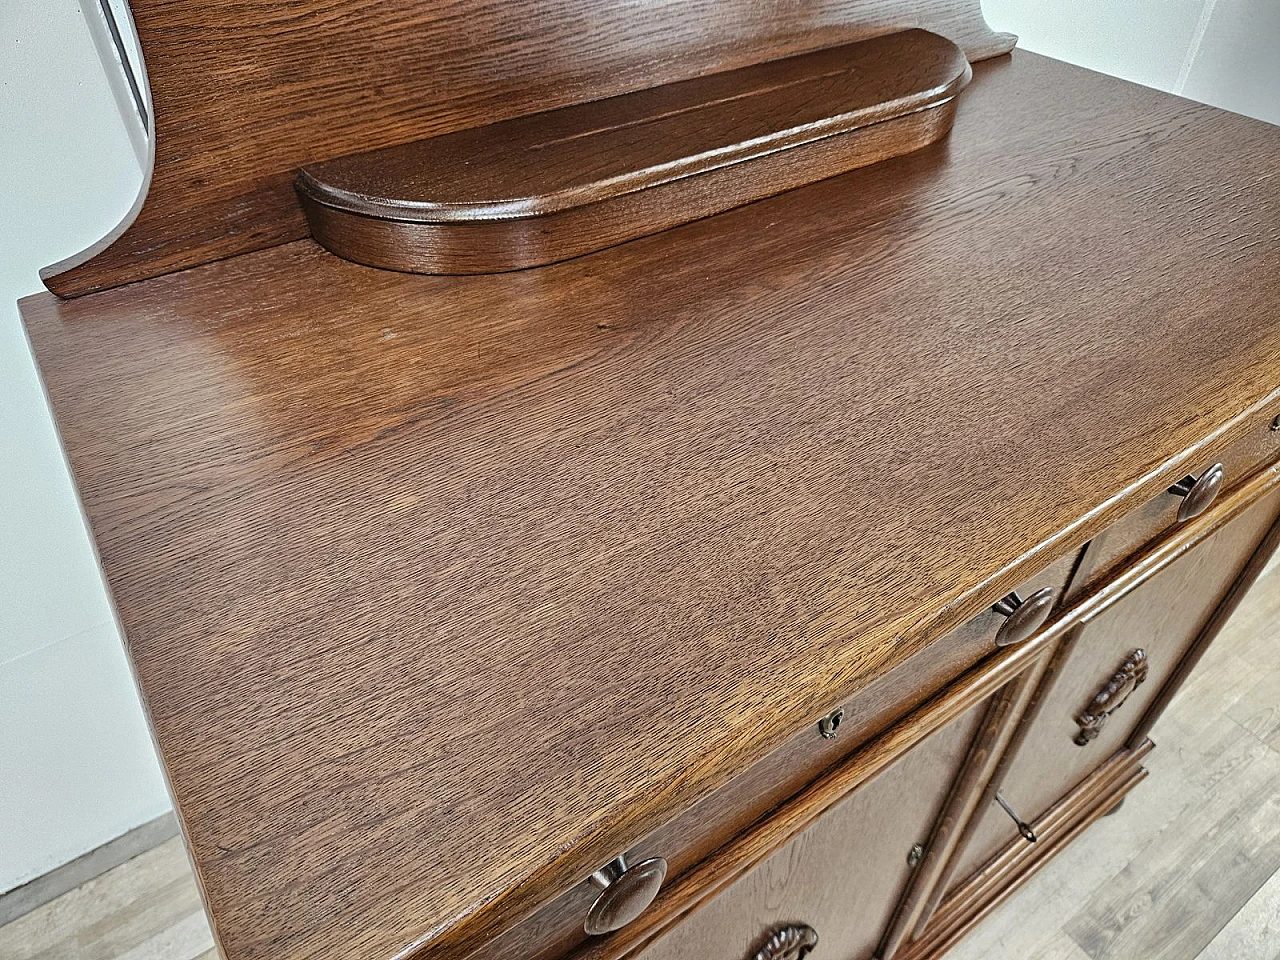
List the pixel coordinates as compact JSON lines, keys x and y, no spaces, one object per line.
{"x":842,"y":877}
{"x":1112,"y":670}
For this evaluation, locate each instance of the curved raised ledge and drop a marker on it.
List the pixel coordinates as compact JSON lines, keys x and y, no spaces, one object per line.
{"x":559,"y":184}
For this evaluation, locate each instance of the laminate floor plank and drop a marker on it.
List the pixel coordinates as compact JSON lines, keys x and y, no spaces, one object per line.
{"x":1254,"y":931}
{"x":186,"y":939}
{"x":1175,"y":897}
{"x":1259,"y":712}
{"x":145,"y":909}
{"x":1060,"y":947}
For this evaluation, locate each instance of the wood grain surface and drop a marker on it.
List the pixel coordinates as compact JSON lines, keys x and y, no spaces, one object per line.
{"x":1060,"y":825}
{"x":843,"y":875}
{"x":1163,"y":617}
{"x":247,"y":91}
{"x":1163,"y":875}
{"x":703,"y":830}
{"x":1005,"y":673}
{"x":1257,"y":562}
{"x":736,"y":859}
{"x":997,"y":727}
{"x":443,"y":591}
{"x":566,"y":182}
{"x":500,"y":245}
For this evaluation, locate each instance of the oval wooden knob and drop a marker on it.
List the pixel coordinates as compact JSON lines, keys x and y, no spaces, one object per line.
{"x":625,"y":891}
{"x":1198,"y":492}
{"x":1023,"y":617}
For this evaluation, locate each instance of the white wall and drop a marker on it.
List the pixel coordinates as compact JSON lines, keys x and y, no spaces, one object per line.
{"x":1223,"y":52}
{"x":76,"y":764}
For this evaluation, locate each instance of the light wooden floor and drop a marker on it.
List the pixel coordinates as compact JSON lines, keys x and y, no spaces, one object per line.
{"x":1188,"y":868}
{"x":146,"y":909}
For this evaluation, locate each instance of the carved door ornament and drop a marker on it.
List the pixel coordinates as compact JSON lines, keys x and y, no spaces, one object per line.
{"x":789,"y":943}
{"x":1113,"y":693}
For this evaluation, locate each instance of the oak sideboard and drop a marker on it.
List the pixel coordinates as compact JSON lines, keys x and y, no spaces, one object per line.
{"x":687,"y":480}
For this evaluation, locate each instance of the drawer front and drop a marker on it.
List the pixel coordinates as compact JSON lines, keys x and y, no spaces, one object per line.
{"x":840,"y":878}
{"x":1257,"y":447}
{"x":557,"y":929}
{"x":1101,"y":685}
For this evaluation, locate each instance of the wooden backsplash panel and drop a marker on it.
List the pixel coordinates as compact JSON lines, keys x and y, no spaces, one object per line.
{"x":247,"y":91}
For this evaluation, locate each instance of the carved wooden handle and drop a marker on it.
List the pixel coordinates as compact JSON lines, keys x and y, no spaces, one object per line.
{"x":789,"y":943}
{"x":1113,"y":693}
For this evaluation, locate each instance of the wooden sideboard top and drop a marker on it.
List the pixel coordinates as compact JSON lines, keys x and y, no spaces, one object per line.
{"x":442,"y":591}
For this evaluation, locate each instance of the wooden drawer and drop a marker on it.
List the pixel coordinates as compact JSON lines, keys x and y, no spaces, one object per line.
{"x":842,"y":877}
{"x":557,"y":928}
{"x":1161,"y":618}
{"x":1241,"y":457}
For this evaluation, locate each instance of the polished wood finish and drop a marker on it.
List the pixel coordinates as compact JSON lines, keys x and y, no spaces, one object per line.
{"x":844,"y":874}
{"x":1192,"y":847}
{"x":1089,"y":599}
{"x":985,"y":751}
{"x":559,"y":184}
{"x":1100,"y":793}
{"x":699,"y":832}
{"x":247,"y":91}
{"x":1258,"y":561}
{"x":1164,"y":614}
{"x":1011,"y":728}
{"x":788,"y":821}
{"x":1202,"y":808}
{"x":570,"y":549}
{"x":1255,"y":448}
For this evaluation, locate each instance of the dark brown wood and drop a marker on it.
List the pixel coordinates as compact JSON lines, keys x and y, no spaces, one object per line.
{"x":1088,"y":598}
{"x":1163,"y":614}
{"x":843,"y":875}
{"x":984,"y":753}
{"x":1131,"y":675}
{"x":443,"y":592}
{"x":1254,"y":449}
{"x":939,"y":885}
{"x":703,"y":829}
{"x":1209,"y":632}
{"x":968,"y":905}
{"x":559,"y":184}
{"x":247,"y":91}
{"x":753,"y":846}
